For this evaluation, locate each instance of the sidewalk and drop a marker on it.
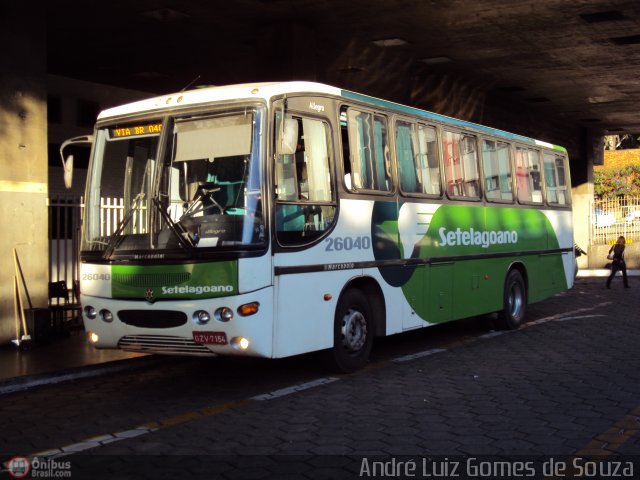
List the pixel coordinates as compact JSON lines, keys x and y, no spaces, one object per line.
{"x":72,"y":357}
{"x":62,"y":359}
{"x":604,"y":272}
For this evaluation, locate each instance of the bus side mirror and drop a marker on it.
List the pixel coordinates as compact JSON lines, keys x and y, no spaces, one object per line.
{"x":288,"y":137}
{"x":67,"y":163}
{"x":68,"y":171}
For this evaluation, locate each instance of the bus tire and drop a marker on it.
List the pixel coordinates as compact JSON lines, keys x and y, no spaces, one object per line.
{"x":353,"y":332}
{"x":514,"y":307}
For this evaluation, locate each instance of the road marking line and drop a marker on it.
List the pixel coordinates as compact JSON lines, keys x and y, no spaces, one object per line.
{"x":608,"y":442}
{"x":413,"y":356}
{"x":150,"y":427}
{"x":496,"y":333}
{"x":294,"y":389}
{"x":605,"y":444}
{"x":560,"y":316}
{"x":580,"y":317}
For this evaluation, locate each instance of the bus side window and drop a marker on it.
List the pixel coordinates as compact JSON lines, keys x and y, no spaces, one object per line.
{"x":305,"y":199}
{"x":416,"y":151}
{"x":368,"y":140}
{"x":528,"y":175}
{"x":461,"y":165}
{"x":406,"y":155}
{"x":429,"y":163}
{"x":497,"y":170}
{"x":555,"y":179}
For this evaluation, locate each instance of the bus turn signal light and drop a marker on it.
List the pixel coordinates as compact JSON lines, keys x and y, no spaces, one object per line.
{"x":248,"y":309}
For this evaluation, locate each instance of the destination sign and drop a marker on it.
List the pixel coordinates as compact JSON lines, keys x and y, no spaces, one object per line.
{"x":135,"y":130}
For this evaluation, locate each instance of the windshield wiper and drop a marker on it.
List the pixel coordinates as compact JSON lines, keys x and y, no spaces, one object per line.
{"x":111,"y":245}
{"x":181,"y":234}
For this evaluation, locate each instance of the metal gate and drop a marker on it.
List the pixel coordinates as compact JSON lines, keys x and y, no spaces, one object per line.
{"x":610,"y":218}
{"x":65,"y":221}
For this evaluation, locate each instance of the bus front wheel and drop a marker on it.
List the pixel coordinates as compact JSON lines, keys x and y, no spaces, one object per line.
{"x":352,"y":332}
{"x":515,"y":301}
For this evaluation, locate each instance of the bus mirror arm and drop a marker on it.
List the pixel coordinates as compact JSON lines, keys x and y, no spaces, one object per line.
{"x":67,"y":163}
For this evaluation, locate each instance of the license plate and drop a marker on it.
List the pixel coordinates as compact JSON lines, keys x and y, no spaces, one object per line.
{"x":210,"y":338}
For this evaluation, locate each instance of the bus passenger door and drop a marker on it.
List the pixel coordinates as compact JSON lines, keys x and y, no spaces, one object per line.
{"x":440,"y":292}
{"x":304,"y":210}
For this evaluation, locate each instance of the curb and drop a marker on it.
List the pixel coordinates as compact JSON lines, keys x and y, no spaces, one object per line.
{"x":26,"y":382}
{"x":604,"y":272}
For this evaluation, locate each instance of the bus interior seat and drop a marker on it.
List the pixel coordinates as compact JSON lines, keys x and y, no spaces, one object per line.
{"x":227,"y":174}
{"x":289,"y":218}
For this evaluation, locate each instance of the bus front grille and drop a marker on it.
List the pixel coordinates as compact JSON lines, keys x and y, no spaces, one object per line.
{"x":153,"y":318}
{"x":146,"y":280}
{"x":163,"y":344}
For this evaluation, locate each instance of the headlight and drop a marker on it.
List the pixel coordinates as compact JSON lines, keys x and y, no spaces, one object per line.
{"x":223,"y":314}
{"x":201,"y":317}
{"x":106,"y":316}
{"x":90,"y":312}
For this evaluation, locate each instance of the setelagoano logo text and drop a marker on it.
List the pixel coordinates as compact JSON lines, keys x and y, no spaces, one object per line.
{"x":476,"y":237}
{"x":198,"y":290}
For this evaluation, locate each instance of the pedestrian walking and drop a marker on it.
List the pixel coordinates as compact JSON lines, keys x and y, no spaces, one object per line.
{"x":616,"y":255}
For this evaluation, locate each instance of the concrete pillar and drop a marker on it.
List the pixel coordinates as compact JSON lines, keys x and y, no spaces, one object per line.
{"x":591,"y":153}
{"x":23,"y":157}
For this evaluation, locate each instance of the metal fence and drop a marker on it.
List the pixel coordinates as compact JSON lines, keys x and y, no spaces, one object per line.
{"x":611,"y":218}
{"x":608,"y":220}
{"x":65,"y":214}
{"x":65,"y":220}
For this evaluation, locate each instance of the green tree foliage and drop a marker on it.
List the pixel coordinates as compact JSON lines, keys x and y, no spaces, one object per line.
{"x":611,"y":183}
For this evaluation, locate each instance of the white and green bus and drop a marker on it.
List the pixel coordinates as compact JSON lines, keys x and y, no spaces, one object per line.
{"x":282,"y":218}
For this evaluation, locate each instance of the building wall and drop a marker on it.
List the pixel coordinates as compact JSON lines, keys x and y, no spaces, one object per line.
{"x":26,"y":142}
{"x":23,"y":158}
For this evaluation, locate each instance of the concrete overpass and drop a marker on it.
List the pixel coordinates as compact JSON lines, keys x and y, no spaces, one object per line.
{"x":560,"y":71}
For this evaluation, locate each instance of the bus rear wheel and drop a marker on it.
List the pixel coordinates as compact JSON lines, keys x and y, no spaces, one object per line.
{"x":352,"y":333}
{"x":514,"y":306}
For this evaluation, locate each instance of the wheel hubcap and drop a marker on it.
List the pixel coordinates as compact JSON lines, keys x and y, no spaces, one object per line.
{"x":516,"y":301}
{"x":354,"y":330}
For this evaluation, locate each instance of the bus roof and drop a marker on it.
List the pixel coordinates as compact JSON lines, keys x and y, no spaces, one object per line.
{"x":265,"y":91}
{"x":261,"y":91}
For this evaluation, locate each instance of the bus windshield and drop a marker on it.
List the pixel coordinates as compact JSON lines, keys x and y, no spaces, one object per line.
{"x":203,"y":196}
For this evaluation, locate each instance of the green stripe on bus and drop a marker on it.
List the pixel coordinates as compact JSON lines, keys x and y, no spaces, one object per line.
{"x":182,"y":281}
{"x":477,"y":285}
